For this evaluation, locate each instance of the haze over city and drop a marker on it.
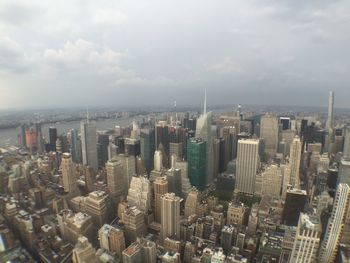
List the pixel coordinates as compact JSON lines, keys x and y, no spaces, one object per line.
{"x":78,"y":53}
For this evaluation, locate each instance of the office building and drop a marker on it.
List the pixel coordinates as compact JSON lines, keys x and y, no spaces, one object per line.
{"x":74,"y":225}
{"x":271,"y":182}
{"x":116,"y":179}
{"x":75,"y":145}
{"x":295,"y":203}
{"x":147,"y":144}
{"x":307,"y":239}
{"x":128,"y":163}
{"x":294,"y":160}
{"x":83,"y":251}
{"x":69,"y":177}
{"x":173,"y":176}
{"x":160,"y":186}
{"x":335,"y":226}
{"x":52,"y":138}
{"x":247,"y":165}
{"x":140,"y":194}
{"x":197,"y":162}
{"x":192,"y":200}
{"x":134,"y":222}
{"x":269,"y":133}
{"x":170,"y":216}
{"x":112,"y":239}
{"x":89,"y":144}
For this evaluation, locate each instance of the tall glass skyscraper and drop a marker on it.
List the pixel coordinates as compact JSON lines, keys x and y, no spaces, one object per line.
{"x":89,"y":144}
{"x":147,"y":138}
{"x":75,"y":145}
{"x":197,"y":159}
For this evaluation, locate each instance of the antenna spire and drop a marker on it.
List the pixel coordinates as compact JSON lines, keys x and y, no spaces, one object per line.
{"x":205,"y":101}
{"x":87,"y":114}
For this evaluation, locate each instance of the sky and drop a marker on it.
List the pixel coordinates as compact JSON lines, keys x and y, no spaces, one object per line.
{"x":153,"y":52}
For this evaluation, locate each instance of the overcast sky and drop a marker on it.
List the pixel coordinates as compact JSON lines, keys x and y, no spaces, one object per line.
{"x":144,"y":52}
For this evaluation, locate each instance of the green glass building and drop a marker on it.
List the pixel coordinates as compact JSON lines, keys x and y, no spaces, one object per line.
{"x":197,"y":161}
{"x":147,"y":138}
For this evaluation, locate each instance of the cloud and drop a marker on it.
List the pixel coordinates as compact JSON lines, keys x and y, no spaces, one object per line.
{"x":109,"y":17}
{"x":226,"y":66}
{"x":154,"y":49}
{"x":85,"y":55}
{"x":12,"y":56}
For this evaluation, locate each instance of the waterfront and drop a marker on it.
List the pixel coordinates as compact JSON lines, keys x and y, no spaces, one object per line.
{"x":9,"y":136}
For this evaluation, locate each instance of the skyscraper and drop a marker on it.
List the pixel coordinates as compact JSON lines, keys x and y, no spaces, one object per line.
{"x":269,"y":132}
{"x":75,"y":145}
{"x":68,"y":173}
{"x":294,"y":205}
{"x":203,"y":131}
{"x":52,"y":138}
{"x":170,"y":216}
{"x":346,"y":149}
{"x":247,"y":165}
{"x":197,"y":159}
{"x":89,"y":144}
{"x":147,"y":141}
{"x":111,"y":239}
{"x":160,"y":186}
{"x":294,"y":160}
{"x":139,"y":193}
{"x":307,"y":240}
{"x":329,"y":123}
{"x":39,"y":138}
{"x":116,"y":179}
{"x":333,"y":232}
{"x":83,"y":251}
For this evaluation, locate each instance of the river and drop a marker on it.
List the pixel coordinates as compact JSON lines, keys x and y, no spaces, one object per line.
{"x":9,"y":136}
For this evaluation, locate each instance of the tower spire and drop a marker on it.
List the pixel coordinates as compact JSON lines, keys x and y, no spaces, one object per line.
{"x":87,"y":114}
{"x":205,"y":101}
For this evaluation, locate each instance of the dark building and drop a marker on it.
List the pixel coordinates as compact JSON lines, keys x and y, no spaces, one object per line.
{"x":132,"y":147}
{"x":295,"y":203}
{"x":52,"y":138}
{"x":119,"y":142}
{"x":162,"y":137}
{"x":147,"y":148}
{"x":285,"y":123}
{"x":102,"y":149}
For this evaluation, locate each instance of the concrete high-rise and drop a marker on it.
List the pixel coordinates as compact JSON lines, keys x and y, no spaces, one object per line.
{"x":346,"y":149}
{"x":69,"y":177}
{"x":329,"y":123}
{"x":334,"y":229}
{"x":158,"y":161}
{"x":129,"y":166}
{"x":116,"y":179}
{"x":197,"y":160}
{"x":247,"y":165}
{"x":112,"y":239}
{"x":192,"y":200}
{"x":294,"y":160}
{"x":89,"y":144}
{"x":83,"y":251}
{"x":269,"y":133}
{"x":139,"y":193}
{"x":307,"y":240}
{"x":170,"y":216}
{"x":160,"y":186}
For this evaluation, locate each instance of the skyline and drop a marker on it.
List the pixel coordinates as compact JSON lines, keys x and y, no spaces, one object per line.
{"x":258,"y":52}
